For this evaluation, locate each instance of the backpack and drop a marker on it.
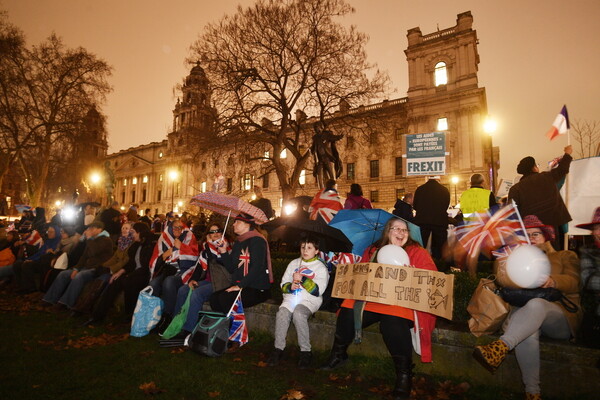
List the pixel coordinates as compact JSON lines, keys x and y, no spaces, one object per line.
{"x":211,"y":334}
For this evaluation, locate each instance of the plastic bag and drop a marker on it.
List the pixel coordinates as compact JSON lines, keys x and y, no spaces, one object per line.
{"x":147,"y":313}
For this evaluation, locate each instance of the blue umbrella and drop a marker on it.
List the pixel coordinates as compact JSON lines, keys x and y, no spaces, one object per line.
{"x":364,"y":226}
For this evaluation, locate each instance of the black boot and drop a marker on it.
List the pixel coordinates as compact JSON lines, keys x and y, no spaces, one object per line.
{"x":404,"y":366}
{"x":163,"y":324}
{"x":338,"y":355}
{"x":305,"y":359}
{"x":274,"y":358}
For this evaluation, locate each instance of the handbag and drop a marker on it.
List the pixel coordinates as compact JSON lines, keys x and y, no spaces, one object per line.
{"x":520,"y":297}
{"x":147,"y":313}
{"x":219,"y":276}
{"x":488,"y":310}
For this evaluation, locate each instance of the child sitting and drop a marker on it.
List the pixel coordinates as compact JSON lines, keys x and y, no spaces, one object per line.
{"x":303,"y":284}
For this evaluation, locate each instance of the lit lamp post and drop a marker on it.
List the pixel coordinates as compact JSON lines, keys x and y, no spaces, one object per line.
{"x":95,"y":179}
{"x":455,"y":182}
{"x":173,"y":175}
{"x":489,"y":127}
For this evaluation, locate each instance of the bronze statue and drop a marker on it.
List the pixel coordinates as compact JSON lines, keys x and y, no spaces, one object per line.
{"x":327,"y":163}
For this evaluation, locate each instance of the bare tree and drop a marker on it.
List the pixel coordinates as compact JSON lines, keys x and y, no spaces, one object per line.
{"x":53,"y":87}
{"x":586,"y":135}
{"x":274,"y":63}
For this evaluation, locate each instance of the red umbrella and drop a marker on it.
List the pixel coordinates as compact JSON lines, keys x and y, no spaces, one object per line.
{"x":227,"y":205}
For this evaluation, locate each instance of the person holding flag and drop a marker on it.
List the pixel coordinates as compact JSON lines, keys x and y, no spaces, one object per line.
{"x":250,"y":266}
{"x":537,"y":192}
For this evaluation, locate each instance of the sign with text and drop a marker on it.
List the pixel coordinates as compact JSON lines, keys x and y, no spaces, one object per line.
{"x":414,"y":288}
{"x":426,"y":154}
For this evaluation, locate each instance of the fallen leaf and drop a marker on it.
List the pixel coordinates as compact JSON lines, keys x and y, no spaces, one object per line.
{"x":237,"y":359}
{"x":178,"y":350}
{"x":261,"y":364}
{"x":214,"y":394}
{"x":293,"y":394}
{"x":239,"y":372}
{"x":150,"y":388}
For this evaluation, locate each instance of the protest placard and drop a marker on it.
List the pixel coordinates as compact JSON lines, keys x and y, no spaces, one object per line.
{"x":415,"y":288}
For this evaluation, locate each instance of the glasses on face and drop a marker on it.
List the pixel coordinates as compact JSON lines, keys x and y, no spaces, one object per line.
{"x":215,"y":231}
{"x":177,"y":227}
{"x":535,"y":235}
{"x":398,"y":229}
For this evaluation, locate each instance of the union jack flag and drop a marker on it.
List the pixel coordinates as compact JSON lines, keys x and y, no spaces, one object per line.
{"x":504,"y":251}
{"x":34,"y":239}
{"x":238,"y":332}
{"x":325,"y":204}
{"x":490,"y":229}
{"x":186,"y":257}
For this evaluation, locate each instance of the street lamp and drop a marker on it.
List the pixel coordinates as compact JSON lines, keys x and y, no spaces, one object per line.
{"x":489,"y":127}
{"x":173,"y":175}
{"x":455,"y":182}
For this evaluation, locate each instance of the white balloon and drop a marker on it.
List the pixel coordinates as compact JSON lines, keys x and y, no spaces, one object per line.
{"x":528,"y":267}
{"x":392,"y":254}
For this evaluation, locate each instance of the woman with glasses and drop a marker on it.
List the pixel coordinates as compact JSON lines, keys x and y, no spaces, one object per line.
{"x":395,"y":322}
{"x":200,"y":282}
{"x":524,"y":325}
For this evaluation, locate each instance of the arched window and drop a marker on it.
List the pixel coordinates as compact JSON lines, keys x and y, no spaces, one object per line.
{"x":440,"y":74}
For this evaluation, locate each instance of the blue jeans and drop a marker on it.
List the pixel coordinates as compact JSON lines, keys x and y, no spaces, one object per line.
{"x":65,"y":290}
{"x":199,"y":296}
{"x":166,"y":289}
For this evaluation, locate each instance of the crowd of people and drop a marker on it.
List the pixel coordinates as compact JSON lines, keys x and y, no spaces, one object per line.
{"x":109,"y":252}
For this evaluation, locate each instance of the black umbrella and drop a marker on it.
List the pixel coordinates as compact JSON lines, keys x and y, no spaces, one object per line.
{"x":291,"y":230}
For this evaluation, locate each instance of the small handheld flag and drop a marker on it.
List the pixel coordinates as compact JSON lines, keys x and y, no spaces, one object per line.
{"x":561,"y":124}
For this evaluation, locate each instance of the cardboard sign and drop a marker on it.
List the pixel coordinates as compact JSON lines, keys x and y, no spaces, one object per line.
{"x":415,"y":288}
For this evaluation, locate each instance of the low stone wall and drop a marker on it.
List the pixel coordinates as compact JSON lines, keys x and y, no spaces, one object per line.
{"x":567,"y":370}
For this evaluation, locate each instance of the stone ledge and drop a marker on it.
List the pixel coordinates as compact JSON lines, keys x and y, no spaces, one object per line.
{"x":567,"y":369}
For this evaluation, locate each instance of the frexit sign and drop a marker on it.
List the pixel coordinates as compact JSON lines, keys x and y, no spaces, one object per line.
{"x":426,"y":154}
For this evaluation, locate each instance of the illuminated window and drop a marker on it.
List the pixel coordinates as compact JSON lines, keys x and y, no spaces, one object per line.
{"x":160,"y":155}
{"x":374,"y":196}
{"x":203,"y":187}
{"x":440,"y":74}
{"x":266,"y":155}
{"x":125,"y":182}
{"x":283,"y":153}
{"x":145,"y":179}
{"x":442,"y":124}
{"x":134,"y":181}
{"x":247,"y":182}
{"x":160,"y":178}
{"x":302,"y":179}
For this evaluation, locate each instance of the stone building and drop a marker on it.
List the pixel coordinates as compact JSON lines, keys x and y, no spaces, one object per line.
{"x":443,"y":96}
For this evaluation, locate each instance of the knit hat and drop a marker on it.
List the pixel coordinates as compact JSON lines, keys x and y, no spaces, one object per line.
{"x":526,"y":165}
{"x":595,"y":221}
{"x":531,"y":221}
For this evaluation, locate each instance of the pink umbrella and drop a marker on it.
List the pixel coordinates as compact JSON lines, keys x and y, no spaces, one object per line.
{"x":227,"y":205}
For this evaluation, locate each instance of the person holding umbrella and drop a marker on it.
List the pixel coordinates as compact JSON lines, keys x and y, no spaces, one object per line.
{"x":395,"y":322}
{"x":250,"y":266}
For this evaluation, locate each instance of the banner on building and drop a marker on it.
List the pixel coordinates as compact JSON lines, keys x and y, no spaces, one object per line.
{"x":426,"y":154}
{"x":414,"y":288}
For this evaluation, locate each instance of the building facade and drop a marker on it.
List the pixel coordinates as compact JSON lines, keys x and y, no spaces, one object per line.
{"x":443,"y":96}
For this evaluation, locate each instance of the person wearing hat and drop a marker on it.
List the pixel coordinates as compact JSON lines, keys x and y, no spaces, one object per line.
{"x":250,"y":266}
{"x":590,"y":258}
{"x":476,"y":198}
{"x":537,"y":192}
{"x":68,"y":285}
{"x":524,"y":325}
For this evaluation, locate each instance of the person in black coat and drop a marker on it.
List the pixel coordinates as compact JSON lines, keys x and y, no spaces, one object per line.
{"x":431,"y":203}
{"x":404,"y":209}
{"x":132,"y":278}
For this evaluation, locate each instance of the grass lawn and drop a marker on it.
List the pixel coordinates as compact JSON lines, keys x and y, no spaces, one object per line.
{"x":51,"y":356}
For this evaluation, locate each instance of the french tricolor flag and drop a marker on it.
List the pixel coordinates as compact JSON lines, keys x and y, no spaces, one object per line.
{"x":561,"y":124}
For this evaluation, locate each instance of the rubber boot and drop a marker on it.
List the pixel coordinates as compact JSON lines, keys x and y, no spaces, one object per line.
{"x":403,"y":366}
{"x":338,"y":355}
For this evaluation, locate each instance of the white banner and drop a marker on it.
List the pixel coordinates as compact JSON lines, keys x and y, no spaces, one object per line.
{"x":582,"y":192}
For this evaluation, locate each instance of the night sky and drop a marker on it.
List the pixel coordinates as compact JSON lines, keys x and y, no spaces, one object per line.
{"x":535,"y":57}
